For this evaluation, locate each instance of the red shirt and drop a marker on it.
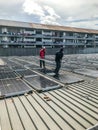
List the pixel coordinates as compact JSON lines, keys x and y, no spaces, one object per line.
{"x":42,"y":53}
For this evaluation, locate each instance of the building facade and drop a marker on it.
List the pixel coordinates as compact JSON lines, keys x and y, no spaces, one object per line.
{"x":21,"y":34}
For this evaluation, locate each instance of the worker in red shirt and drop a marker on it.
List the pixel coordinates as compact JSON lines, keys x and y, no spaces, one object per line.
{"x":42,"y":57}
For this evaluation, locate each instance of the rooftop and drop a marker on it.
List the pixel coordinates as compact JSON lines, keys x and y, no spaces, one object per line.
{"x":31,"y":99}
{"x":10,"y":23}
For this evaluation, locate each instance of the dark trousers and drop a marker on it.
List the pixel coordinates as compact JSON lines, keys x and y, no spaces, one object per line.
{"x":42,"y":63}
{"x":58,"y":66}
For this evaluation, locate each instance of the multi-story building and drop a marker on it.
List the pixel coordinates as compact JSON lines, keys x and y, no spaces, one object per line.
{"x":14,"y":33}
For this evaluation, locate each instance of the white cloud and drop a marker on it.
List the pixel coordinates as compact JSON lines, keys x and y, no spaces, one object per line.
{"x":51,"y":11}
{"x":49,"y":20}
{"x":45,"y":13}
{"x":31,"y":7}
{"x":50,"y":16}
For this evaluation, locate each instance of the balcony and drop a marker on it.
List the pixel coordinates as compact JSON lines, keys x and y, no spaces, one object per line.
{"x":69,"y":37}
{"x":90,"y":38}
{"x":47,"y":34}
{"x":72,"y":43}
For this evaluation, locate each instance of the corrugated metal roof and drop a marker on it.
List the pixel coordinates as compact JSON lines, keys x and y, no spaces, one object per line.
{"x":44,"y":26}
{"x":63,"y":28}
{"x":72,"y":107}
{"x":66,"y":109}
{"x":14,"y":23}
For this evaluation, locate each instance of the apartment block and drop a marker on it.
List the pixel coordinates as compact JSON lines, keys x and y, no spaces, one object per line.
{"x":23,"y":34}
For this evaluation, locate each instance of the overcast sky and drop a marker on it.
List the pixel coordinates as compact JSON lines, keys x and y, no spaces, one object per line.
{"x":74,"y":13}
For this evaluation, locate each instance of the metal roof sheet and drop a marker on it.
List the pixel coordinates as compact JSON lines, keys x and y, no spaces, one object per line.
{"x":66,"y":109}
{"x":63,"y":28}
{"x":14,"y":23}
{"x":45,"y":26}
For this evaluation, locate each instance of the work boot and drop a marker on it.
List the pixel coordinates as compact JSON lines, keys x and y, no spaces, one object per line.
{"x":56,"y":75}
